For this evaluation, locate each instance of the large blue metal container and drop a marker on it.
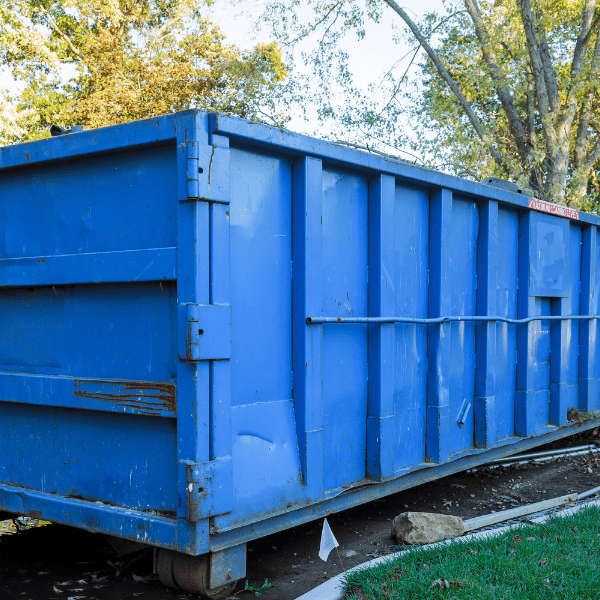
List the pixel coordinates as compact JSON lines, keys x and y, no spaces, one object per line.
{"x":211,"y":330}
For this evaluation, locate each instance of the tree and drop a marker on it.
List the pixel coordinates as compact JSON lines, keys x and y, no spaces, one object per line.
{"x":100,"y":62}
{"x":508,"y":88}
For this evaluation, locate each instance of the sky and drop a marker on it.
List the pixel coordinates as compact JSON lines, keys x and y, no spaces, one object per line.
{"x":369,"y":59}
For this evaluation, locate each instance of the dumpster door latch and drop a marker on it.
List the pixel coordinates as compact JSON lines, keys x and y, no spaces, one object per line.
{"x":208,"y":488}
{"x":207,"y":334}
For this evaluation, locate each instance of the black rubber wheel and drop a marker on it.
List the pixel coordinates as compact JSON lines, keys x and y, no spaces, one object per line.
{"x":188,"y":573}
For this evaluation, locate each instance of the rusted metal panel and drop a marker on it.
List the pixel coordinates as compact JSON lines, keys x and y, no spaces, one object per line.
{"x":142,"y":397}
{"x":131,"y":397}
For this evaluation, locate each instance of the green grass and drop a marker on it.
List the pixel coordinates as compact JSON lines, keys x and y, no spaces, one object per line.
{"x":557,"y":559}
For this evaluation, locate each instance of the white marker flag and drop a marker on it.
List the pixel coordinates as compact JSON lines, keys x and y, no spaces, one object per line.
{"x":328,"y":541}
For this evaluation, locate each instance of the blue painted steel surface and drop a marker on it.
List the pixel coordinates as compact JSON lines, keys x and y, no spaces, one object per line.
{"x":211,"y":330}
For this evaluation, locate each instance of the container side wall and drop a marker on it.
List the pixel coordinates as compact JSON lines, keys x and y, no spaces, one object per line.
{"x":118,"y":331}
{"x":266,"y":469}
{"x":125,"y":460}
{"x":572,"y":357}
{"x":345,"y":293}
{"x":594,"y":339}
{"x":411,"y":295}
{"x":540,"y":350}
{"x":506,"y":334}
{"x":100,"y":204}
{"x":87,"y":341}
{"x":465,"y":227}
{"x":261,"y":255}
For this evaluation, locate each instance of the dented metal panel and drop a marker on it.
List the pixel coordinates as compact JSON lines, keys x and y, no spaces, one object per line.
{"x":211,"y":330}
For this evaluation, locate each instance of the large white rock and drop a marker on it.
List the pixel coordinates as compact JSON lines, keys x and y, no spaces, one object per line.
{"x":425,"y":528}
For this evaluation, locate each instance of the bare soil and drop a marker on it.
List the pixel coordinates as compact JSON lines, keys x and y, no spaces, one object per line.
{"x":37,"y":564}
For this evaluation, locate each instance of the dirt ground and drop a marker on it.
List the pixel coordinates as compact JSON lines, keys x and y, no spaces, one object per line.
{"x":61,"y":563}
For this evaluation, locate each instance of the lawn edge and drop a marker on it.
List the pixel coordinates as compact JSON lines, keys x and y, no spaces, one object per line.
{"x":334,"y":588}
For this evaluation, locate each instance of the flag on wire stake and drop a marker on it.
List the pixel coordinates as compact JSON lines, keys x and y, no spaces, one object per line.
{"x":328,"y":543}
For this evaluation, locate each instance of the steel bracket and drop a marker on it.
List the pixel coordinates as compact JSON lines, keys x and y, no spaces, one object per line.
{"x":207,"y":332}
{"x":209,"y":488}
{"x":227,"y":565}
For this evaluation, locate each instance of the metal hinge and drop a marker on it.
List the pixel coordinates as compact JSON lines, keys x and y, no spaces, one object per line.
{"x":209,"y":488}
{"x":192,"y":169}
{"x":207,"y":332}
{"x":207,"y":170}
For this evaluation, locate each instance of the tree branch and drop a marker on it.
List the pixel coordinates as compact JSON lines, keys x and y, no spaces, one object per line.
{"x":314,"y":26}
{"x":464,"y":103}
{"x":593,"y":156}
{"x":535,"y":175}
{"x":585,"y":113}
{"x":549,"y":74}
{"x":583,"y":38}
{"x":415,"y":51}
{"x":579,"y":58}
{"x":595,"y":125}
{"x":531,"y":112}
{"x":538,"y":72}
{"x":514,"y":121}
{"x":63,"y":35}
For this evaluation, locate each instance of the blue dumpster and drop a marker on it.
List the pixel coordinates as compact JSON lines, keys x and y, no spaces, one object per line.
{"x":212,"y":330}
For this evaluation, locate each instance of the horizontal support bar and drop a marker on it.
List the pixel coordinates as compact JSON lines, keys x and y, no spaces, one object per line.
{"x":149,"y":398}
{"x":90,"y":515}
{"x":433,"y":321}
{"x":152,"y":264}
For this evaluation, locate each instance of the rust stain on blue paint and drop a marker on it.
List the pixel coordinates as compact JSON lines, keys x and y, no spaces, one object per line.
{"x":149,"y":398}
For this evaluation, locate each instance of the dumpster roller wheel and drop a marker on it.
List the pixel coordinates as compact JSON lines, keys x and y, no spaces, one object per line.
{"x":188,"y":573}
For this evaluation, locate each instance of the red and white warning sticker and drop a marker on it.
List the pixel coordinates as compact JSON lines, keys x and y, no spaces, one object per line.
{"x":553,"y":209}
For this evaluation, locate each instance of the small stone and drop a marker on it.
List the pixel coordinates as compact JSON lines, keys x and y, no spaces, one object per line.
{"x":350,"y":553}
{"x":425,"y":528}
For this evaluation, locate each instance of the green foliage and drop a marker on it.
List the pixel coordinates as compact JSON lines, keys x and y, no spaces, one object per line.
{"x":495,"y":112}
{"x":99,"y":63}
{"x":446,"y":133}
{"x":557,"y":559}
{"x":574,"y":414}
{"x":257,"y":589}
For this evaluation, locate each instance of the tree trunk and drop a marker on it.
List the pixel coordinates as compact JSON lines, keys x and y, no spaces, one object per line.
{"x":556,"y":178}
{"x":578,"y":187}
